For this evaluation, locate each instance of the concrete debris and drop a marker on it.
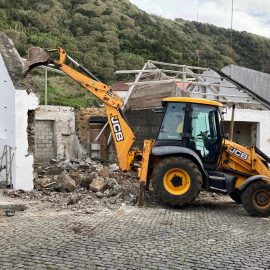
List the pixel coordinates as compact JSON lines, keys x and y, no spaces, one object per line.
{"x":80,"y":187}
{"x":99,"y":184}
{"x":65,"y":183}
{"x":54,"y":171}
{"x":41,"y":183}
{"x":104,"y":172}
{"x":112,"y":183}
{"x":87,"y":185}
{"x":86,"y":180}
{"x":114,"y":167}
{"x":100,"y":194}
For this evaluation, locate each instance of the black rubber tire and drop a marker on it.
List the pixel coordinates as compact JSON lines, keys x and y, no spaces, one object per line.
{"x":189,"y":167}
{"x":248,"y":196}
{"x":236,"y":196}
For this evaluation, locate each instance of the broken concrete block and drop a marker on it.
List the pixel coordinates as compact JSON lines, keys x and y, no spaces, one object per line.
{"x":86,"y":181}
{"x":89,"y":160}
{"x":117,"y":190}
{"x":84,"y":164}
{"x":98,"y":184}
{"x":67,"y":161}
{"x":99,"y":195}
{"x":104,"y":172}
{"x":54,"y":171}
{"x":75,"y":160}
{"x":112,"y":183}
{"x":11,"y":193}
{"x":98,"y":166}
{"x":114,"y":167}
{"x":65,"y":183}
{"x":130,"y":198}
{"x":41,"y":183}
{"x":60,"y":164}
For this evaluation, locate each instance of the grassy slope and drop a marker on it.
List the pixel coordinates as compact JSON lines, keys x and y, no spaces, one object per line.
{"x":114,"y":34}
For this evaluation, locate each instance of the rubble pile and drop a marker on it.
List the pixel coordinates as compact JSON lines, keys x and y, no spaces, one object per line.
{"x":88,"y":186}
{"x":82,"y":185}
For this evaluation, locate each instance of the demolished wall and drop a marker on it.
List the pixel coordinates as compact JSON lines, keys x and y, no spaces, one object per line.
{"x":56,"y":134}
{"x":87,"y":132}
{"x":24,"y":160}
{"x":145,"y":124}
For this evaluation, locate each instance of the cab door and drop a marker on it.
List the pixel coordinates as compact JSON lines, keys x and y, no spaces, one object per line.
{"x":204,"y":133}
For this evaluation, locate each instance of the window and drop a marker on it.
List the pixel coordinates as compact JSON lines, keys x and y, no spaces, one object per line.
{"x":172,"y":126}
{"x":204,"y":133}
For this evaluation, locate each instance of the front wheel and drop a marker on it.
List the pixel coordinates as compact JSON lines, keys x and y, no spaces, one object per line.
{"x":176,"y":180}
{"x":256,"y":198}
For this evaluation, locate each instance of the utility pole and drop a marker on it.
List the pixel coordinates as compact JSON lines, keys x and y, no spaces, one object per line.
{"x":46,"y":86}
{"x":231,"y":49}
{"x":198,"y":56}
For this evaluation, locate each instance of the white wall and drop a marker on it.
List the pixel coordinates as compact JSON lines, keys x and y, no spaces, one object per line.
{"x":7,"y":113}
{"x":14,"y":106}
{"x":24,"y":160}
{"x":263,"y":126}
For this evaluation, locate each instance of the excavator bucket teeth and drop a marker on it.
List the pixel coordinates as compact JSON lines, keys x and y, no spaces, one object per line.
{"x":36,"y":56}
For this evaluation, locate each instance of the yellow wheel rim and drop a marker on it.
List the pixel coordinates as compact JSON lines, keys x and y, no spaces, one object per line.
{"x":261,"y":198}
{"x":176,"y":181}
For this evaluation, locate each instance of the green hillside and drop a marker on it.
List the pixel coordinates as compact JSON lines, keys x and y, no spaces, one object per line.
{"x":114,"y":34}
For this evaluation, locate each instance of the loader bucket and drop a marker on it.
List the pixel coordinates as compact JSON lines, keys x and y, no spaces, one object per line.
{"x":36,"y":56}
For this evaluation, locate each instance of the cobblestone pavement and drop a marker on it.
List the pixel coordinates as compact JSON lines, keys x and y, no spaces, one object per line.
{"x":207,"y":235}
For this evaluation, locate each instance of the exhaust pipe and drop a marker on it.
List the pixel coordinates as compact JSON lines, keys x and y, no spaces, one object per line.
{"x":36,"y":56}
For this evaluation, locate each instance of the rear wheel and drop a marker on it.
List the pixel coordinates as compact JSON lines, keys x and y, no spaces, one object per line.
{"x":176,"y":181}
{"x":236,"y":196}
{"x":256,"y":198}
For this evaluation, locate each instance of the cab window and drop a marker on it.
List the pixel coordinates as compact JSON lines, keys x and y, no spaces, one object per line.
{"x":204,"y":132}
{"x":172,"y":126}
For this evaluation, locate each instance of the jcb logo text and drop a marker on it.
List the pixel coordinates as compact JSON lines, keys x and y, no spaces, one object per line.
{"x":117,"y":129}
{"x":238,"y":153}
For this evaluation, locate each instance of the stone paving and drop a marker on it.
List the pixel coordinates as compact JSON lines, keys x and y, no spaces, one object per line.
{"x":207,"y":235}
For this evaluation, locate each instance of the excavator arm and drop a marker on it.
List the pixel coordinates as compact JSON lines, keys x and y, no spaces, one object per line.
{"x":243,"y":162}
{"x":122,"y":133}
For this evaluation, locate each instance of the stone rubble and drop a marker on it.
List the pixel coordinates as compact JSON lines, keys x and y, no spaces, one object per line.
{"x":85,"y":185}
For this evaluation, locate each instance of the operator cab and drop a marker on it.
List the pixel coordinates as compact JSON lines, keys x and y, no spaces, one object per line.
{"x":195,"y":124}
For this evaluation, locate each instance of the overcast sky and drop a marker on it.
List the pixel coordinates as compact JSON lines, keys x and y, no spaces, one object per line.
{"x":249,"y":15}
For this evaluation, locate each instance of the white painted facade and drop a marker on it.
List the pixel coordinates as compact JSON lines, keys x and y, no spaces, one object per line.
{"x":24,"y":160}
{"x":7,"y":118}
{"x":262,"y":120}
{"x":14,"y":106}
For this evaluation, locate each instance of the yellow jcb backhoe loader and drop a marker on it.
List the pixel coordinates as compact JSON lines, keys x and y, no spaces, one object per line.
{"x":190,"y":152}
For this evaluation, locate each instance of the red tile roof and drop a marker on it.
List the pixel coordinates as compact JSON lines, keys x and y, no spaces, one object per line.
{"x":120,"y":86}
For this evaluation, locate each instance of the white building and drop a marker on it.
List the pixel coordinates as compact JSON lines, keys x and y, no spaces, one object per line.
{"x":16,"y":161}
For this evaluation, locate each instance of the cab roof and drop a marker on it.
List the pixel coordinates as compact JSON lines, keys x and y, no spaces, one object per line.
{"x":193,"y":100}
